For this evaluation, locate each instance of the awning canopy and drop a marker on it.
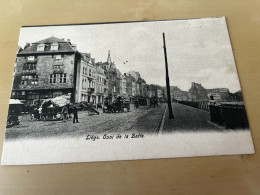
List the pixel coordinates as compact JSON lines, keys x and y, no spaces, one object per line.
{"x":15,"y":101}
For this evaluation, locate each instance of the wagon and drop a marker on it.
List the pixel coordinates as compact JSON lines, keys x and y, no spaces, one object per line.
{"x":117,"y":106}
{"x":55,"y":108}
{"x":15,"y":107}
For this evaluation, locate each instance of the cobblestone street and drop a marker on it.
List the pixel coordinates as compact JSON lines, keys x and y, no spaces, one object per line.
{"x":141,"y":120}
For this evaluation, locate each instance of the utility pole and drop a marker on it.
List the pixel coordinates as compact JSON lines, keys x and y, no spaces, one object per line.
{"x":167,"y":81}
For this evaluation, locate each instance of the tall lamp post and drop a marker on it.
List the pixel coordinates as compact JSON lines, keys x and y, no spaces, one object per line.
{"x":167,"y":81}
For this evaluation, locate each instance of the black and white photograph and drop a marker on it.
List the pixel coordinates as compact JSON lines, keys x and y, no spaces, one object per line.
{"x":125,"y":91}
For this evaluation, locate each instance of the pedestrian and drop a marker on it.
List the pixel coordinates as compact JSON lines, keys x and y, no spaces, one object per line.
{"x":40,"y":113}
{"x":136,"y":104}
{"x":75,"y":114}
{"x":70,"y":109}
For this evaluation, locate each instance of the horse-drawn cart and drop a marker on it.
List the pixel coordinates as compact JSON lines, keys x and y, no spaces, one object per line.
{"x":117,"y":106}
{"x":53,"y":109}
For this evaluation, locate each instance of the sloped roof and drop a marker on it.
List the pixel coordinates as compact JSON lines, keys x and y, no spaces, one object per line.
{"x":64,"y":46}
{"x":50,"y":40}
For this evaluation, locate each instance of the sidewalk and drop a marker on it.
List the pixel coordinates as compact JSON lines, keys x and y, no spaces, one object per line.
{"x":187,"y":118}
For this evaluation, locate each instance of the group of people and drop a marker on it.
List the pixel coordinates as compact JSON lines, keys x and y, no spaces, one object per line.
{"x":48,"y":111}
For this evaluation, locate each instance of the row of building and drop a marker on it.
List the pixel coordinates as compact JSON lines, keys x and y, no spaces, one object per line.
{"x":53,"y":67}
{"x":197,"y":93}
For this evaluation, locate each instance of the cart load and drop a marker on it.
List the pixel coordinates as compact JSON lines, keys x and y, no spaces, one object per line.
{"x":55,"y":108}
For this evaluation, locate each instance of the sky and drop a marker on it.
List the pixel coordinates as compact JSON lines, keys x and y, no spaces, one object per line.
{"x":198,"y":50}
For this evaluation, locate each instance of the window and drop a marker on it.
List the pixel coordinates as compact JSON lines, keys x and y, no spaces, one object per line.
{"x":29,"y":66}
{"x":64,"y":78}
{"x":54,"y":78}
{"x":34,"y":80}
{"x":50,"y":78}
{"x":29,"y":79}
{"x":54,"y":46}
{"x":40,"y":47}
{"x":61,"y":78}
{"x":57,"y":67}
{"x":33,"y":95}
{"x":58,"y":57}
{"x":89,"y":72}
{"x":30,"y":58}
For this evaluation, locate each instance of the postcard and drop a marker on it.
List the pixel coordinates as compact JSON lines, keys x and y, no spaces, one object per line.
{"x":125,"y":91}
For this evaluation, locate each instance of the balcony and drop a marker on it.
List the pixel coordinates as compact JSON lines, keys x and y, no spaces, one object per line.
{"x":91,"y":90}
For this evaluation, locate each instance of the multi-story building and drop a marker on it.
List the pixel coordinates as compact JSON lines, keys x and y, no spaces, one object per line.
{"x":124,"y":86}
{"x":112,"y":78}
{"x":101,"y":87}
{"x":46,"y":69}
{"x":86,"y":80}
{"x":53,"y":67}
{"x":119,"y":82}
{"x":143,"y":89}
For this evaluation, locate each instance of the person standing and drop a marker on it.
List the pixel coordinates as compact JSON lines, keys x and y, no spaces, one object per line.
{"x":40,"y":113}
{"x":75,"y":114}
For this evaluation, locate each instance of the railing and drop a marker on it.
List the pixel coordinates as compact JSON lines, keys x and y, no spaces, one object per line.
{"x":229,"y":116}
{"x":200,"y":105}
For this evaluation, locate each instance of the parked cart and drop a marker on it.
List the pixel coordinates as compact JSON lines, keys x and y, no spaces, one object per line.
{"x":15,"y":108}
{"x":117,"y":106}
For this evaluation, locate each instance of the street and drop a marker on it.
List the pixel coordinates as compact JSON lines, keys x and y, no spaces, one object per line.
{"x":142,"y":120}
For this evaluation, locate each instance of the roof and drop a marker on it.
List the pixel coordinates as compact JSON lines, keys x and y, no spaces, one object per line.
{"x":50,"y":40}
{"x":64,"y":46}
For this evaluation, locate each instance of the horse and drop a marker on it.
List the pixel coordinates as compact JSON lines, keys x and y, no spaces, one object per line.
{"x":64,"y":113}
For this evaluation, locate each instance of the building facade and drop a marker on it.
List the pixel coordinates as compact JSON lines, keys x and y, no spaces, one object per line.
{"x":45,"y":69}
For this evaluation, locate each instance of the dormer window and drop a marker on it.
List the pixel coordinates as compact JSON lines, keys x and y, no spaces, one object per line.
{"x":40,"y":47}
{"x":54,"y":46}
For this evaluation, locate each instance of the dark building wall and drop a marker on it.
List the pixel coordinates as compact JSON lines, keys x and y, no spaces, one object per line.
{"x":44,"y":67}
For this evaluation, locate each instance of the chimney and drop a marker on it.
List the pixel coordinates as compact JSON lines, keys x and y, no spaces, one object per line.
{"x":74,"y":46}
{"x":68,"y":40}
